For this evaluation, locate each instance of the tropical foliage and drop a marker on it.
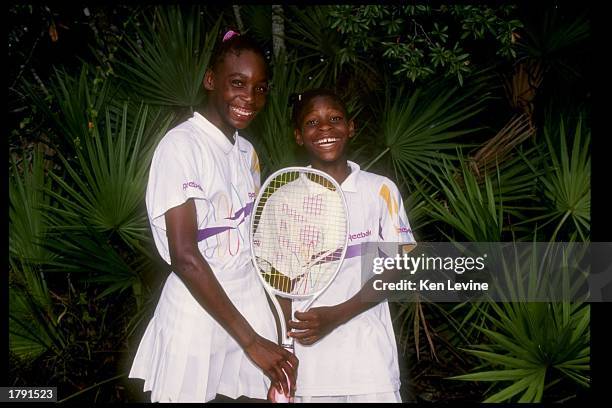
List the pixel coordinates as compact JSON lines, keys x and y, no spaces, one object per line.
{"x":458,"y":104}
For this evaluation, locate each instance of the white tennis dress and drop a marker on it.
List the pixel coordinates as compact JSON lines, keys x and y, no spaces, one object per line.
{"x":359,"y":358}
{"x":184,"y":354}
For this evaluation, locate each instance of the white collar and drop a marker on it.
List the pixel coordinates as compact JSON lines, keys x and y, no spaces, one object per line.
{"x":349,"y":183}
{"x":216,"y":135}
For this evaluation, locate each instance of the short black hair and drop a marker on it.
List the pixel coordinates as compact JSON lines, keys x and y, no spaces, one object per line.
{"x":235,"y":44}
{"x":299,"y":101}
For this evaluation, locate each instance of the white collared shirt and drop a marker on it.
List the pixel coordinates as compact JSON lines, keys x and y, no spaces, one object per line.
{"x":196,"y":160}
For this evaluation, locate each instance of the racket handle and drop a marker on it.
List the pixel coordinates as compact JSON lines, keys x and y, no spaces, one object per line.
{"x":279,"y":397}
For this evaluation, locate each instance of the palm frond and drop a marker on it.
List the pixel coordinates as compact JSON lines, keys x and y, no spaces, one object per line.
{"x":474,"y":211}
{"x":165,"y":62}
{"x":27,"y":225}
{"x":91,"y":256}
{"x":421,"y":127}
{"x":105,"y":187}
{"x":545,"y":342}
{"x":566,"y":182}
{"x":32,"y":323}
{"x":553,"y":35}
{"x":75,"y":104}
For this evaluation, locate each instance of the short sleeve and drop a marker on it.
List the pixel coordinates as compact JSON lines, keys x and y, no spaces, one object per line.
{"x":175,"y":175}
{"x":393,"y":221}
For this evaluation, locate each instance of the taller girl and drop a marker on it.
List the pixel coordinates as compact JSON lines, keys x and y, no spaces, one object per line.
{"x":212,"y":331}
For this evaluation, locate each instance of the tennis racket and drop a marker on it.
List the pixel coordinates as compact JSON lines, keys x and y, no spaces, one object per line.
{"x":299,"y":234}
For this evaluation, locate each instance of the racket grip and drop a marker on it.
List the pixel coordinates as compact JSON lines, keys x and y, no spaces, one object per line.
{"x":279,"y":397}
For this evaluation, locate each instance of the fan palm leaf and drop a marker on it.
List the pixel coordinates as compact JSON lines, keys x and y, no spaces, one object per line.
{"x":91,"y":256}
{"x":32,"y":327}
{"x":474,"y":211}
{"x":104,"y":188}
{"x":76,"y":104}
{"x":566,"y":181}
{"x":165,"y":62}
{"x":550,"y":39}
{"x":421,"y":127}
{"x":545,"y":342}
{"x":32,"y":330}
{"x":531,"y":339}
{"x":27,"y":224}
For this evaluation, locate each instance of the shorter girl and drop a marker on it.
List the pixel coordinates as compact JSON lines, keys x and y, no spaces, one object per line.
{"x":346,"y":346}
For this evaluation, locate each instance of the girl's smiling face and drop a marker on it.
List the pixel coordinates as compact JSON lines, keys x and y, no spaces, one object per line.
{"x":324,"y":130}
{"x":238,"y":89}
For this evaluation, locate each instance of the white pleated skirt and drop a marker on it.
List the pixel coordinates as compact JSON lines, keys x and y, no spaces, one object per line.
{"x":186,"y":356}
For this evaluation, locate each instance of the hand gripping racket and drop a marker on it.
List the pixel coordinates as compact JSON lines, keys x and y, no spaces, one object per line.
{"x":299,"y":234}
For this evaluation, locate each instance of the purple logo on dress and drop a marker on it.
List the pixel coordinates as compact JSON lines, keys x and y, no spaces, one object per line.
{"x":192,"y":184}
{"x":209,"y":232}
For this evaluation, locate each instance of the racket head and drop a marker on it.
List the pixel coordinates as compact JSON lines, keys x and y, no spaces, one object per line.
{"x":299,"y":232}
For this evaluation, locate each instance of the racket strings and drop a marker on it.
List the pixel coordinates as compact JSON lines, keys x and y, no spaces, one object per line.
{"x":299,"y":232}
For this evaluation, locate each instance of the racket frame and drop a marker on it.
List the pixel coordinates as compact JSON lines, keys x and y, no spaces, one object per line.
{"x":287,"y":341}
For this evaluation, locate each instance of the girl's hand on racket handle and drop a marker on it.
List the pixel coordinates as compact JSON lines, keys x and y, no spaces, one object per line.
{"x":275,"y":361}
{"x":275,"y":392}
{"x":316,"y":323}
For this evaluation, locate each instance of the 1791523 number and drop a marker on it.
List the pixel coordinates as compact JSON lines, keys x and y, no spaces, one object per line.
{"x":30,"y":394}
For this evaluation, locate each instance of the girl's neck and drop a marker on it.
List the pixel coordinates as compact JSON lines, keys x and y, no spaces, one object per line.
{"x":213,"y":117}
{"x":339,"y":170}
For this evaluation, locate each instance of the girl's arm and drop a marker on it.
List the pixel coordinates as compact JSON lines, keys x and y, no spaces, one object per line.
{"x":192,"y":268}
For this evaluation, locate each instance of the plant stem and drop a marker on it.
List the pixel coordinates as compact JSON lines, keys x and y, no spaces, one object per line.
{"x":376,"y":159}
{"x":93,"y":386}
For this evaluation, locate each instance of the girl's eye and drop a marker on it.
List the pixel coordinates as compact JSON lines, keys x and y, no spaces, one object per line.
{"x":237,"y":82}
{"x":311,"y":122}
{"x":262,"y":89}
{"x":336,"y":118}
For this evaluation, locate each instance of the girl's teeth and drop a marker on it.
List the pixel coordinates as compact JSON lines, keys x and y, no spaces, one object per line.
{"x":242,"y":112}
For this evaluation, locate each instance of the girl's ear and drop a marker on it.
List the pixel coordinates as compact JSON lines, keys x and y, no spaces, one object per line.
{"x":351,"y":128}
{"x":209,"y":80}
{"x":298,"y":137}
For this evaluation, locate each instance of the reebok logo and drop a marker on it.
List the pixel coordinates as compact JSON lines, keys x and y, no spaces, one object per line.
{"x":362,"y":234}
{"x":192,"y":184}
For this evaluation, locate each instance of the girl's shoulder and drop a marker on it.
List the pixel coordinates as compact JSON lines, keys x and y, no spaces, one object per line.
{"x":183,"y":130}
{"x":185,"y":135}
{"x":375,"y":181}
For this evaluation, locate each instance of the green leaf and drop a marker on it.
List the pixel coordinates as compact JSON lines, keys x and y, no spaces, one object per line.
{"x":164,"y":61}
{"x":419,"y":128}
